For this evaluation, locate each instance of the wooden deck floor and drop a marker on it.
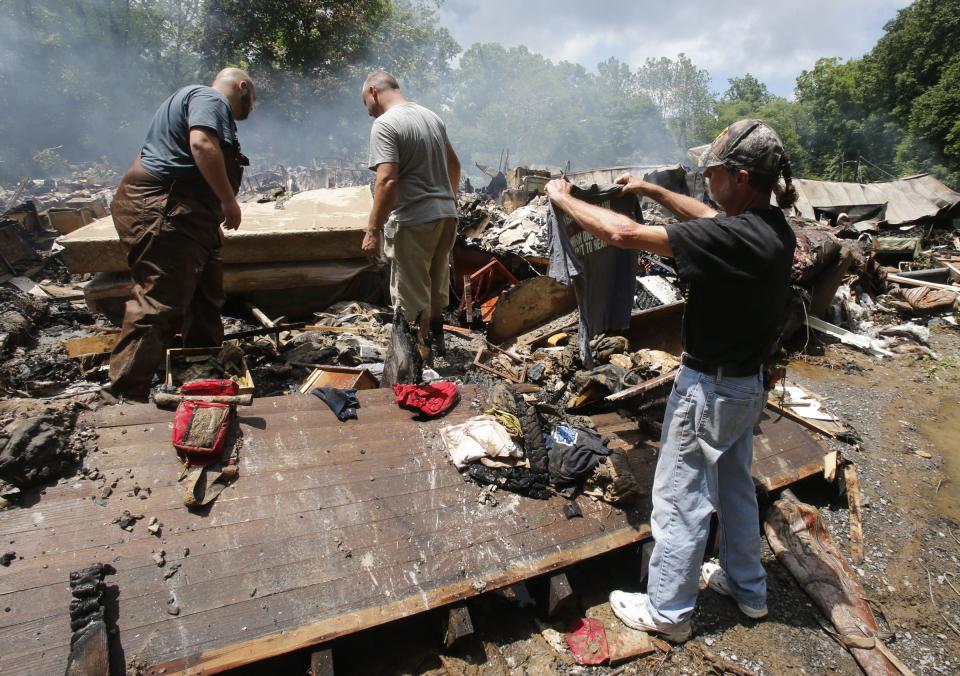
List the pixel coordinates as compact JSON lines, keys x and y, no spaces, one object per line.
{"x":332,"y":528}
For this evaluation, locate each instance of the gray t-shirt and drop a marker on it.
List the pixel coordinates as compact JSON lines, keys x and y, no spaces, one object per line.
{"x":416,"y":139}
{"x":166,"y":150}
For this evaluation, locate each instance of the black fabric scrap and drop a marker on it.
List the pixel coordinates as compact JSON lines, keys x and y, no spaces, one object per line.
{"x":343,"y":402}
{"x":573,"y":460}
{"x":521,"y":480}
{"x":572,"y":510}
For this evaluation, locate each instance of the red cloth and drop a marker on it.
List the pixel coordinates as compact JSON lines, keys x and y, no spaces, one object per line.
{"x":587,"y":641}
{"x":430,"y":400}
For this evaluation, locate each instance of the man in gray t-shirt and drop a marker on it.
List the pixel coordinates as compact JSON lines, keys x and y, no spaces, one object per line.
{"x":417,"y":175}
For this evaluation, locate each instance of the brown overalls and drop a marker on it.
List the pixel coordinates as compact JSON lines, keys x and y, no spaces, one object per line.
{"x":171,"y":231}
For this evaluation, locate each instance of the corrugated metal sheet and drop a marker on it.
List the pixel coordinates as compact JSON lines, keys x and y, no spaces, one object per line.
{"x":908,"y":200}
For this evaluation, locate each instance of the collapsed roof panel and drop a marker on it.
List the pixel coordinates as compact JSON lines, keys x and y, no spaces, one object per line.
{"x":908,"y":200}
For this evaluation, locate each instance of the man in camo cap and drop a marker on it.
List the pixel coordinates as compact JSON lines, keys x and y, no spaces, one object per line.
{"x":736,"y":269}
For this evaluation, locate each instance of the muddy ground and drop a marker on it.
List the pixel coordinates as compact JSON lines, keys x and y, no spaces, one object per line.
{"x":905,"y":409}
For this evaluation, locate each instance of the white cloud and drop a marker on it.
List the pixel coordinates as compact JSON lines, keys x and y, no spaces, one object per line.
{"x":773,"y":41}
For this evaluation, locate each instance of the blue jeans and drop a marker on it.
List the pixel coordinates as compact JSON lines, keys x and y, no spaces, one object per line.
{"x":706,"y":455}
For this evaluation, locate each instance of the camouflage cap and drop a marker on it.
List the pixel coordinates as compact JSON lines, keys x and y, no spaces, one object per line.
{"x":747,"y":144}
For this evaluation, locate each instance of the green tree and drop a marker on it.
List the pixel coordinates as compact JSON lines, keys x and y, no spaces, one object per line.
{"x":747,"y":89}
{"x":681,"y":92}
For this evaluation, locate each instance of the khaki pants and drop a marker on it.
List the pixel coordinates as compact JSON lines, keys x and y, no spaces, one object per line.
{"x":171,"y":231}
{"x":420,"y":266}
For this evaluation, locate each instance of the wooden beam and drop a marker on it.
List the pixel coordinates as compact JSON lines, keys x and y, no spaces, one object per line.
{"x":459,"y":626}
{"x":321,"y":662}
{"x":560,"y":596}
{"x":92,"y":345}
{"x":856,"y":512}
{"x":831,"y":429}
{"x":907,"y":281}
{"x":643,"y":387}
{"x":340,"y":329}
{"x":244,"y":652}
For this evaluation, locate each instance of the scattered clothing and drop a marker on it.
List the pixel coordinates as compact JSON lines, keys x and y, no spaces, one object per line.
{"x":509,"y":421}
{"x":343,"y":402}
{"x":613,"y":481}
{"x":603,"y":276}
{"x":609,"y":378}
{"x":602,"y":347}
{"x":574,"y":453}
{"x":429,"y":400}
{"x":532,"y":483}
{"x":478,"y":437}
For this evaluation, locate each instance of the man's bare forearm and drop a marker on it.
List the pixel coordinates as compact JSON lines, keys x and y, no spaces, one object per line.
{"x":614,"y":228}
{"x":453,"y":170}
{"x":384,"y":200}
{"x":686,"y":208}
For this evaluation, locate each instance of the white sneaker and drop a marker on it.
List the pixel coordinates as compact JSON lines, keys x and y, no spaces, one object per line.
{"x":633,"y":611}
{"x":717,"y":580}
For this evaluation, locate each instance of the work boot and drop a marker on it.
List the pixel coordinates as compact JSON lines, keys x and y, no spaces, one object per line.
{"x":437,"y":344}
{"x":633,"y":611}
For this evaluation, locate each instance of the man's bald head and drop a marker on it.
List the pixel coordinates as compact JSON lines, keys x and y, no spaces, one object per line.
{"x":380,"y":80}
{"x":238,"y":87}
{"x":380,"y":91}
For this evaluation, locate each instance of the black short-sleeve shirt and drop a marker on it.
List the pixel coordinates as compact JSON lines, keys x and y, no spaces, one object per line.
{"x":166,"y":150}
{"x":736,"y":270}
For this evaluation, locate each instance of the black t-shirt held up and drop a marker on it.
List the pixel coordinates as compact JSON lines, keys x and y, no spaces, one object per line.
{"x":737,"y":273}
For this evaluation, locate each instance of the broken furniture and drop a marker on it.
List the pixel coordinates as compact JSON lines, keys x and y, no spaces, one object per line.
{"x":501,"y":363}
{"x":180,"y":360}
{"x":481,"y":289}
{"x":339,"y":377}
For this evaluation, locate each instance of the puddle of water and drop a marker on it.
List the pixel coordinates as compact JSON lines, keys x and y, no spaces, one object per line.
{"x":944,"y":431}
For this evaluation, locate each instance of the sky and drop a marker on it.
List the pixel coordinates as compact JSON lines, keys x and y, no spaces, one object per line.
{"x":774,"y":41}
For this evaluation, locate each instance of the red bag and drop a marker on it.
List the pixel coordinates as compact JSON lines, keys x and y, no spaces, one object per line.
{"x":200,"y":430}
{"x":211,"y":388}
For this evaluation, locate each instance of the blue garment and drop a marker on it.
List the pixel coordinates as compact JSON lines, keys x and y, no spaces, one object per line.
{"x":343,"y":402}
{"x":706,"y":457}
{"x":166,"y":150}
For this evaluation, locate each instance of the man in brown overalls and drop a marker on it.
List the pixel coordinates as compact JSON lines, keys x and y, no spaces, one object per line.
{"x":168,"y":210}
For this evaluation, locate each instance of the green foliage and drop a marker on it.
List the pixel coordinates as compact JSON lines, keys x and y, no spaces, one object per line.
{"x":82,"y":79}
{"x":899,"y":106}
{"x":681,"y":92}
{"x":747,"y":89}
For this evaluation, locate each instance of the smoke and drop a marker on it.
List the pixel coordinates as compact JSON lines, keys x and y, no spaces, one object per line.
{"x":83,"y":79}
